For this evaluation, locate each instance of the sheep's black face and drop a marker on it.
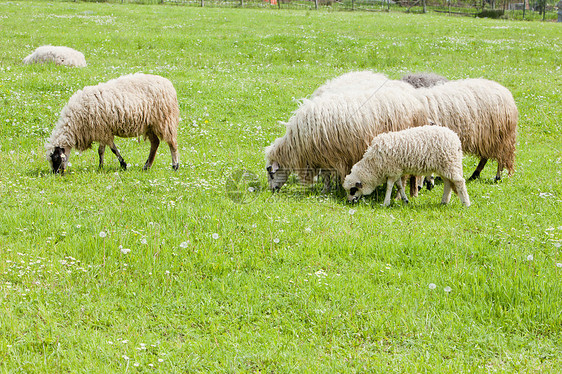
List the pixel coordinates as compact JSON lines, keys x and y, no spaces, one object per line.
{"x":58,"y":160}
{"x":276,"y":176}
{"x":355,"y":192}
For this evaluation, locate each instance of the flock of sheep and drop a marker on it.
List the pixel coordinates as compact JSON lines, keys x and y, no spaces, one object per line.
{"x":359,"y":130}
{"x":365,"y":129}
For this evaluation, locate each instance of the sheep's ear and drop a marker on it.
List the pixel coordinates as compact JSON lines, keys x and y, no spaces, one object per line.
{"x":274,"y":167}
{"x":358,"y":185}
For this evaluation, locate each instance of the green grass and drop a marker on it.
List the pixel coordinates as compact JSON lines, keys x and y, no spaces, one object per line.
{"x":296,"y":282}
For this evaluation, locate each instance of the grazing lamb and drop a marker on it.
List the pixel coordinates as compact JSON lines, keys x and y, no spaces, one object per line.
{"x":482,"y":113}
{"x":59,"y":55}
{"x":419,"y":80}
{"x":332,"y":132}
{"x":416,"y":151}
{"x":129,"y":106}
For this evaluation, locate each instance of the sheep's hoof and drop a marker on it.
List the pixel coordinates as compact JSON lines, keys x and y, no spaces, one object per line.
{"x":497,"y":178}
{"x":175,"y":166}
{"x":123,"y":165}
{"x":406,"y":201}
{"x":474,"y":176}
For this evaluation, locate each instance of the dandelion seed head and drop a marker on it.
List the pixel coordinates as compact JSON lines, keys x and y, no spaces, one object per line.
{"x":530,"y":258}
{"x":559,"y":265}
{"x":447,"y":289}
{"x":352,"y":211}
{"x":215,"y":236}
{"x":103,"y":234}
{"x":432,"y":286}
{"x":276,"y":240}
{"x":184,"y":244}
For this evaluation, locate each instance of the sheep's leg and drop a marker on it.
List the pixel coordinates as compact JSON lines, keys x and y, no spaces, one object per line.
{"x":101,"y":152}
{"x":499,"y":172}
{"x":401,"y":190}
{"x":460,"y":189}
{"x":389,"y":184}
{"x":403,"y":180}
{"x":154,"y":143}
{"x":479,"y":168}
{"x":413,"y":186}
{"x":175,"y":156}
{"x":115,"y":151}
{"x":446,"y":191}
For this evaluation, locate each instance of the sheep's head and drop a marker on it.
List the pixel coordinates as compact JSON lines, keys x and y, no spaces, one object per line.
{"x":58,"y":158}
{"x":276,"y":176}
{"x":356,"y":188}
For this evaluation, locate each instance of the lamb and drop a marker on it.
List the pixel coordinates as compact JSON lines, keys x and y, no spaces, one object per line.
{"x":332,"y":131}
{"x":129,"y":106}
{"x":57,"y":54}
{"x":417,"y":151}
{"x":484,"y":115}
{"x":419,"y":80}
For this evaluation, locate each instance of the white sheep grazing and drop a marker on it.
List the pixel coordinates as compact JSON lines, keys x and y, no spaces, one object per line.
{"x":59,"y":55}
{"x":129,"y":106}
{"x":482,"y":113}
{"x":332,"y":131}
{"x":417,"y":151}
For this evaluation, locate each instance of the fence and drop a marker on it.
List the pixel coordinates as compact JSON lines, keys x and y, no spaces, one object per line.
{"x":511,"y":9}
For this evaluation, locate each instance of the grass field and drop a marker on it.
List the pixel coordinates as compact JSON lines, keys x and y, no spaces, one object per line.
{"x":293,"y":282}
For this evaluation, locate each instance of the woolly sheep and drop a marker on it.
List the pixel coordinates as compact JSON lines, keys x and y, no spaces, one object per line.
{"x":59,"y":55}
{"x":416,"y":151}
{"x":129,"y":106}
{"x":482,"y":113}
{"x":419,"y":80}
{"x":332,"y":132}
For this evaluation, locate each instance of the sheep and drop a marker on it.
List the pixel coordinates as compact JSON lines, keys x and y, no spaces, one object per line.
{"x":419,"y":80}
{"x":417,"y":151}
{"x":484,"y":115}
{"x":129,"y":106}
{"x":57,"y":54}
{"x":331,"y":131}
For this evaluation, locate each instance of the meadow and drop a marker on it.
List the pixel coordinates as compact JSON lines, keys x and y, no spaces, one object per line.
{"x":189,"y":271}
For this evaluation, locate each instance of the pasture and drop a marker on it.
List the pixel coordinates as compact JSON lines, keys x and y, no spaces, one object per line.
{"x":189,"y":271}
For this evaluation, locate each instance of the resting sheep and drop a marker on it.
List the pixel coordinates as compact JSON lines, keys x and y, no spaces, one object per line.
{"x":416,"y":151}
{"x":482,"y":113}
{"x":331,"y":131}
{"x":129,"y":106}
{"x":56,"y":54}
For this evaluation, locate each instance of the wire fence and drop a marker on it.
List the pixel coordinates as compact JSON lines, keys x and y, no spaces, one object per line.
{"x":545,"y":10}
